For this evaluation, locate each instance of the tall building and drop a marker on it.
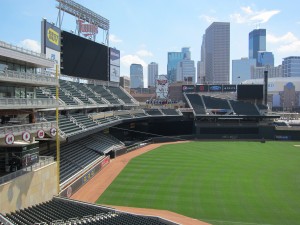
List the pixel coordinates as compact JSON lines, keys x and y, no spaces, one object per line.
{"x":241,"y":69}
{"x":257,"y":42}
{"x":291,"y":66}
{"x":217,"y":53}
{"x":152,"y":74}
{"x":136,"y":76}
{"x":201,"y":64}
{"x":173,"y":59}
{"x":273,"y":71}
{"x":265,"y":58}
{"x":125,"y":83}
{"x":186,"y":71}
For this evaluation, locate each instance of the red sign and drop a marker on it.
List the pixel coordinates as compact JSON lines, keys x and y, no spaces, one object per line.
{"x":9,"y":139}
{"x":87,"y":28}
{"x":105,"y":161}
{"x":41,"y":134}
{"x":26,"y":136}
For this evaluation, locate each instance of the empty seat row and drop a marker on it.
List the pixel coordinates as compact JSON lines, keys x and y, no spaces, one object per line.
{"x":73,"y":212}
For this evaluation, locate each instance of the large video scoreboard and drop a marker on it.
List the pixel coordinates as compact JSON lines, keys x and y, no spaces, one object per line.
{"x":83,"y":58}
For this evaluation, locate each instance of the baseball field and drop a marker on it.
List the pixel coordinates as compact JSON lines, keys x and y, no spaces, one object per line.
{"x":217,"y":182}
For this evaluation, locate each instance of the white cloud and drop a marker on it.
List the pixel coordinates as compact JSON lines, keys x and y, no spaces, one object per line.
{"x":287,"y":38}
{"x":249,"y":15}
{"x":31,"y":45}
{"x":127,"y":60}
{"x":264,"y":16}
{"x":291,"y":48}
{"x":144,"y":53}
{"x":208,"y":19}
{"x":114,"y":39}
{"x":283,"y":46}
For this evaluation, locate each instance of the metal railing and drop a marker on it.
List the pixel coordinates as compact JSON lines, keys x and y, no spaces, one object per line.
{"x":23,"y":50}
{"x":33,"y":78}
{"x":4,"y":221}
{"x":31,"y":127}
{"x":43,"y":161}
{"x":7,"y":103}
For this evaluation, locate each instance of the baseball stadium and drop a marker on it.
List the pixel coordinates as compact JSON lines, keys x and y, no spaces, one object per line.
{"x":77,"y":148}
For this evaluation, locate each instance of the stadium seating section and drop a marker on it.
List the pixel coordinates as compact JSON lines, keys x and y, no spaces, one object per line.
{"x":64,"y":211}
{"x":79,"y":154}
{"x":78,"y":94}
{"x":153,"y":112}
{"x":201,"y":104}
{"x":244,"y":108}
{"x":196,"y":102}
{"x":170,"y":112}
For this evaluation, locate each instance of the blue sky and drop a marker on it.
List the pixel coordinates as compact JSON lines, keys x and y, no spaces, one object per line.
{"x":144,"y":31}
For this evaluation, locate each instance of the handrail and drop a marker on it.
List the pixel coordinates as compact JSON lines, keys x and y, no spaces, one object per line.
{"x":23,"y":50}
{"x":4,"y":221}
{"x":32,"y":127}
{"x":30,"y":77}
{"x":28,"y":102}
{"x":43,"y":161}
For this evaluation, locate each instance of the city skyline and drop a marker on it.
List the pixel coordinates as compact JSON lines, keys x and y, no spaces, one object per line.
{"x":142,"y":37}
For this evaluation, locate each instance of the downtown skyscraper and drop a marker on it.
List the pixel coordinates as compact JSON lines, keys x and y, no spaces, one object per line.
{"x":152,"y":74}
{"x":257,"y":43}
{"x":180,"y":66}
{"x":136,"y":76}
{"x":217,"y":53}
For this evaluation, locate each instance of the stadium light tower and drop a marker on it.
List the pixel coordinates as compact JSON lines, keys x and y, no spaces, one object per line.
{"x":83,"y":14}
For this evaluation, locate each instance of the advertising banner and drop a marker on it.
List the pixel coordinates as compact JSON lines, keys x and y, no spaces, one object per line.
{"x":114,"y":73}
{"x":215,"y":88}
{"x":229,"y":88}
{"x":188,"y":88}
{"x":52,"y":36}
{"x":53,"y":55}
{"x":114,"y":55}
{"x":202,"y":88}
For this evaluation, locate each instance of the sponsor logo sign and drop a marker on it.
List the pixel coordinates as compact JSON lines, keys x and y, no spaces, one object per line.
{"x":52,"y":36}
{"x":188,"y":88}
{"x":229,"y":88}
{"x":215,"y":88}
{"x":202,"y":88}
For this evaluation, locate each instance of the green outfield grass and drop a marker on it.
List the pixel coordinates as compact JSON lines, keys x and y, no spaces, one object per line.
{"x":218,"y":182}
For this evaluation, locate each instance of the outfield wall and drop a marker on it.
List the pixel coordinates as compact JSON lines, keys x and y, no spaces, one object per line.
{"x":70,"y":189}
{"x":29,"y":189}
{"x":232,"y":131}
